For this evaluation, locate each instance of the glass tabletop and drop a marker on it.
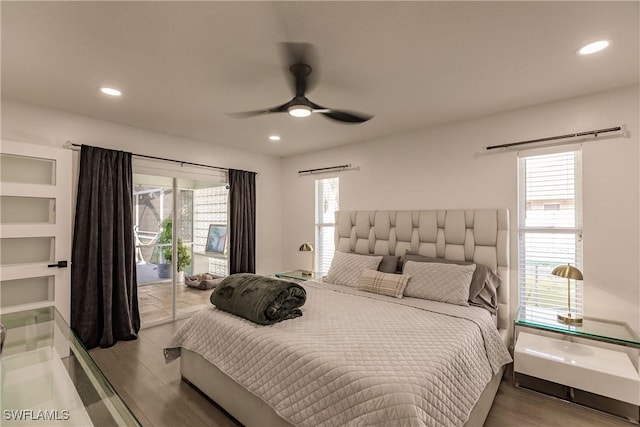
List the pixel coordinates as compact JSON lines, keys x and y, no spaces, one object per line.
{"x":297,"y":275}
{"x":48,"y":378}
{"x":599,"y":329}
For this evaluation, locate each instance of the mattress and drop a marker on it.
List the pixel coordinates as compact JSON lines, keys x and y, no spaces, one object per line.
{"x":356,"y":358}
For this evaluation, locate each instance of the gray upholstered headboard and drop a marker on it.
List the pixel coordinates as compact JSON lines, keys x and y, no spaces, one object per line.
{"x":480,"y":236}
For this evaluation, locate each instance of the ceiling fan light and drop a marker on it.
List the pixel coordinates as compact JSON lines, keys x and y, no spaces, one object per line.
{"x":594,"y":47}
{"x":299,"y":111}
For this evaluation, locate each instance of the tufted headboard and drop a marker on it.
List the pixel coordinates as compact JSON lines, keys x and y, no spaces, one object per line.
{"x":477,"y":235}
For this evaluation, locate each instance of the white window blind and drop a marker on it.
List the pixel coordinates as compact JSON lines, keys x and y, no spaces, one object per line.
{"x":327,"y":197}
{"x":550,"y":228}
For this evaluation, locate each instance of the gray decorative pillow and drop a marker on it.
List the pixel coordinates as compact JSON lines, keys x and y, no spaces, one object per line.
{"x":439,"y":282}
{"x":383,"y":283}
{"x":483,"y":291}
{"x":346,"y":268}
{"x":417,"y":258}
{"x":389,"y":264}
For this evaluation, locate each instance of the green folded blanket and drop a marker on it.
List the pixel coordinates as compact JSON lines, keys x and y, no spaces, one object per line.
{"x":261,"y":299}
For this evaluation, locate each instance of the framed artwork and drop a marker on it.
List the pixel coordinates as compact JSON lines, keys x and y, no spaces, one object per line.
{"x":216,"y":238}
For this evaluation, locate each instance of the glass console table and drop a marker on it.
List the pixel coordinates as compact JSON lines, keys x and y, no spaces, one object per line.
{"x":48,"y":378}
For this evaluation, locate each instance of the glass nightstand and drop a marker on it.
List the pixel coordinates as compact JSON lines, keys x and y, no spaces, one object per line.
{"x":594,"y":364}
{"x":594,"y":329}
{"x":298,"y":275}
{"x":48,"y":377}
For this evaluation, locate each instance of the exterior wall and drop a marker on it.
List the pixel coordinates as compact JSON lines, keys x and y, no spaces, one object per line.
{"x":446,"y":167}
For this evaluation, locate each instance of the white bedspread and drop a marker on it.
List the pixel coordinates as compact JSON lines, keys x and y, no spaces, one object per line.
{"x":356,"y":358}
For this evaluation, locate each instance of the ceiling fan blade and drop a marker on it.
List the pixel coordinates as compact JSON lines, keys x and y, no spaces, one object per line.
{"x":346,"y":117}
{"x":341,"y":115}
{"x":279,"y":109}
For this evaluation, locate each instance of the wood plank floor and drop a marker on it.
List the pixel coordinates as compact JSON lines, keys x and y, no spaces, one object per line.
{"x":155,"y":301}
{"x":156,"y":395}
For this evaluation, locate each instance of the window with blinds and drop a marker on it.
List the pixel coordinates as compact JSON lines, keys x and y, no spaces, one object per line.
{"x":550,"y":227}
{"x":327,"y":197}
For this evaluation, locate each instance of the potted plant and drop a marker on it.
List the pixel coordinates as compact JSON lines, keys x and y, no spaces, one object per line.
{"x":184,"y":257}
{"x":164,"y":265}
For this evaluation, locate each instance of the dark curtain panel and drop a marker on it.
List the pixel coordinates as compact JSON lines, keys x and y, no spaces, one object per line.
{"x":104,"y":293}
{"x":242,"y":221}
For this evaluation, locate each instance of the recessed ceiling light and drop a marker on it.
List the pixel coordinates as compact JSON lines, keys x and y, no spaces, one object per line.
{"x":594,"y":47}
{"x":110,"y":91}
{"x":274,"y":138}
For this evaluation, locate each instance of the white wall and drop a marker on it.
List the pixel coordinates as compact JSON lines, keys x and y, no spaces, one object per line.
{"x":435,"y":168}
{"x":31,"y":124}
{"x":442,"y":168}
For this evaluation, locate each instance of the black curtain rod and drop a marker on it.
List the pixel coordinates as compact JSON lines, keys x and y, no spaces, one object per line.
{"x":553,"y":138}
{"x":325,"y":169}
{"x":169,"y":160}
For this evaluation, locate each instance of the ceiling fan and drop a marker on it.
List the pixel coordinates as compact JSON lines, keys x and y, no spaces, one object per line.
{"x":298,"y":59}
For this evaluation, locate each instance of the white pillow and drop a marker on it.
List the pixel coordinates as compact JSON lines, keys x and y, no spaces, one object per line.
{"x":383,"y":283}
{"x":439,"y":282}
{"x":346,"y":268}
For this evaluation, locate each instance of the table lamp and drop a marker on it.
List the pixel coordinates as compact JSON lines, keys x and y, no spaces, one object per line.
{"x":569,"y":272}
{"x":306,"y":247}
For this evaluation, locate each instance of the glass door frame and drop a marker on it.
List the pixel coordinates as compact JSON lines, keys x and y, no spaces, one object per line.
{"x":174,"y":248}
{"x":160,"y":169}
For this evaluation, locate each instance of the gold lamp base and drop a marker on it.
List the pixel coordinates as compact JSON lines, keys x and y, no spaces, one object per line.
{"x":570,"y":318}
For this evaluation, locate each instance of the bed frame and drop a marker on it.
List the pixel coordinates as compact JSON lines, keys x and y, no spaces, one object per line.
{"x":480,"y":236}
{"x":477,"y":235}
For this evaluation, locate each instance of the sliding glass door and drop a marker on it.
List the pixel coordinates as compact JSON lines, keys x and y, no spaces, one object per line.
{"x":174,"y":218}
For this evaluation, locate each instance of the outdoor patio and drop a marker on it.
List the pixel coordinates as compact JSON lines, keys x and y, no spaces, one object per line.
{"x":154,"y":296}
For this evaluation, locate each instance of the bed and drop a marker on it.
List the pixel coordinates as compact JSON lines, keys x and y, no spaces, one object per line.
{"x":357,"y":357}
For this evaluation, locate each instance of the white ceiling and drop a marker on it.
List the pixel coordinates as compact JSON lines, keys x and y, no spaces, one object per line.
{"x":183,"y":65}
